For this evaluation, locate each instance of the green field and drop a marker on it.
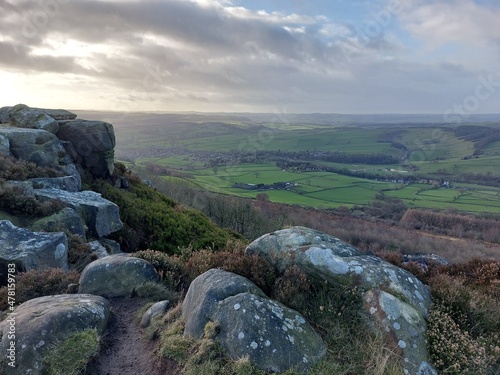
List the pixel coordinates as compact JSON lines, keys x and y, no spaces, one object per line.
{"x":433,"y":152}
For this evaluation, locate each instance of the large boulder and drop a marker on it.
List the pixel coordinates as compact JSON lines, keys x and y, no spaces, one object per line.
{"x":101,"y":216}
{"x":328,"y":258}
{"x":91,"y":145}
{"x":25,"y":117}
{"x":31,"y":250}
{"x":40,"y":323}
{"x":272,"y":336}
{"x":116,"y":276}
{"x":66,"y":219}
{"x":42,"y":148}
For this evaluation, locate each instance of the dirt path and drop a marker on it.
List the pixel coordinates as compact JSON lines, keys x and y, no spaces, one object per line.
{"x":125,"y":350}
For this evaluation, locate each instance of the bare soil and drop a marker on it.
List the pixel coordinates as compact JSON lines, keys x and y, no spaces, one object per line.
{"x":125,"y":350}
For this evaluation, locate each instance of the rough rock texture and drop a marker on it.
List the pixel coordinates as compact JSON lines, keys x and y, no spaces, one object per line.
{"x":92,"y":144}
{"x":327,"y":258}
{"x":4,"y":115}
{"x":25,"y":117}
{"x":405,"y":327}
{"x":31,"y":250}
{"x":58,"y":114}
{"x":44,"y":321}
{"x":24,"y":187}
{"x":66,"y":219}
{"x":116,"y":276}
{"x":4,"y":146}
{"x":157,"y":309}
{"x":98,"y":249}
{"x":101,"y":216}
{"x":42,"y":148}
{"x":273,"y":337}
{"x":68,"y":183}
{"x":112,"y":247}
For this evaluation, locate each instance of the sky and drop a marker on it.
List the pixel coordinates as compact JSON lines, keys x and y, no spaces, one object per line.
{"x":276,"y":56}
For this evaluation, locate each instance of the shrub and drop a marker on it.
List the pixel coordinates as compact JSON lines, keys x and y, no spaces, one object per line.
{"x":71,"y":356}
{"x":158,"y":222}
{"x":79,"y":253}
{"x":17,"y":202}
{"x":253,"y":267}
{"x":170,"y":268}
{"x":20,"y":170}
{"x":38,"y":283}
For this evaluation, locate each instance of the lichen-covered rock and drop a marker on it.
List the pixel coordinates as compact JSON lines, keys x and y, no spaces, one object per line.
{"x":31,"y":250}
{"x":4,"y":115}
{"x":116,"y":276}
{"x":205,"y":292}
{"x":326,"y":257}
{"x":405,"y":327}
{"x":66,"y":219}
{"x":155,"y":310}
{"x":101,"y":216}
{"x":25,"y":117}
{"x":93,"y":145}
{"x":272,"y":336}
{"x":395,"y":299}
{"x":42,"y":322}
{"x":42,"y":148}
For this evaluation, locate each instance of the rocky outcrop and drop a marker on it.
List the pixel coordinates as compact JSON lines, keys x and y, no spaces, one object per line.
{"x":42,"y":322}
{"x":31,"y":250}
{"x":101,"y":216}
{"x":272,"y":336}
{"x":68,"y":183}
{"x":116,"y":276}
{"x":98,"y":250}
{"x":91,"y":144}
{"x":66,"y":219}
{"x":23,"y":116}
{"x":42,"y":148}
{"x":395,"y":299}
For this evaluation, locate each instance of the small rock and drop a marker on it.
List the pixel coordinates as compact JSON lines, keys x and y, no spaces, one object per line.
{"x":157,"y":309}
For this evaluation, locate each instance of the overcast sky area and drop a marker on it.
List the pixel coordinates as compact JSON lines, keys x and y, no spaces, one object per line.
{"x":293,"y":56}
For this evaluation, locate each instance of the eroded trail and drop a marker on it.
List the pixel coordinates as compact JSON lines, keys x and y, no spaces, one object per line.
{"x":125,"y":350}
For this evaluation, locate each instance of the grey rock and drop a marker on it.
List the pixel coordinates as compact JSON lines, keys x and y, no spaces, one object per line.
{"x":4,"y":115}
{"x":68,"y":183}
{"x":112,"y":247}
{"x":31,"y":250}
{"x":98,"y":249}
{"x":58,"y":114}
{"x":101,"y":216}
{"x":25,"y":117}
{"x":42,"y":148}
{"x":205,"y":292}
{"x":272,"y":336}
{"x":326,"y":257}
{"x":66,"y":219}
{"x":4,"y":146}
{"x":424,"y":260}
{"x":155,"y":310}
{"x":93,"y":142}
{"x":42,"y":322}
{"x":395,"y":300}
{"x":116,"y":276}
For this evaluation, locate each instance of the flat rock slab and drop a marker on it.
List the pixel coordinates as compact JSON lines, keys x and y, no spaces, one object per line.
{"x":101,"y":216}
{"x":116,"y":276}
{"x":42,"y":322}
{"x":31,"y":250}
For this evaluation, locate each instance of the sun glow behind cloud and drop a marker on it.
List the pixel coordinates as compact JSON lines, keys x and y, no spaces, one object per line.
{"x":246,"y":56}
